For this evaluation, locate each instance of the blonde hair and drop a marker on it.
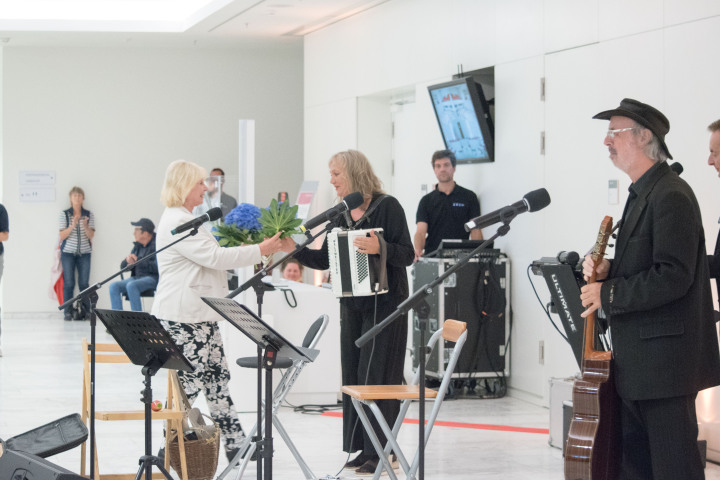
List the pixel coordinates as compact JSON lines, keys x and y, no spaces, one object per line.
{"x":180,"y":177}
{"x":358,"y":171}
{"x":76,"y":190}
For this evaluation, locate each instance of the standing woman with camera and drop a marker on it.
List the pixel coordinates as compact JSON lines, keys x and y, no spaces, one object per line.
{"x":77,"y":229}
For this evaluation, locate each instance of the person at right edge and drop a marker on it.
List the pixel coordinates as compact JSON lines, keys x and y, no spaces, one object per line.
{"x":714,"y":161}
{"x":4,"y":235}
{"x":381,"y":360}
{"x":656,"y":297}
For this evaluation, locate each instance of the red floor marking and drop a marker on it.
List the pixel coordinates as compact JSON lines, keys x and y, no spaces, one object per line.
{"x":476,"y":426}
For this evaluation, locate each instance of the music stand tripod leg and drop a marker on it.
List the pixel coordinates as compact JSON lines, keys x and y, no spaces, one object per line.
{"x":267,"y":443}
{"x":148,"y":460}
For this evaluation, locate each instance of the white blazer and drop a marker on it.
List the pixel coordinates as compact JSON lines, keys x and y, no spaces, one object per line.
{"x":193,"y":268}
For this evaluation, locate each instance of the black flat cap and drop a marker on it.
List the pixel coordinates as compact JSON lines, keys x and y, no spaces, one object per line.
{"x":647,"y":116}
{"x":145,"y":224}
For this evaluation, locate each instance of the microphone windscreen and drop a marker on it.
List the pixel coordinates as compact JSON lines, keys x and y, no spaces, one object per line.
{"x":214,"y":214}
{"x":354,"y":200}
{"x":537,"y":199}
{"x":677,"y":168}
{"x":568,"y":258}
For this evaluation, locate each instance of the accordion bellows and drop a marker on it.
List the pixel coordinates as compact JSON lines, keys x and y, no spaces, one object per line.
{"x":355,"y":274}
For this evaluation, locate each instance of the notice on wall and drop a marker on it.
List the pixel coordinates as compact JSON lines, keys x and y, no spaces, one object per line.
{"x":307,"y":192}
{"x":36,"y":186}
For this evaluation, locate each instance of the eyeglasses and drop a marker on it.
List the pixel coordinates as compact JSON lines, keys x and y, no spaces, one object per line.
{"x":611,"y":133}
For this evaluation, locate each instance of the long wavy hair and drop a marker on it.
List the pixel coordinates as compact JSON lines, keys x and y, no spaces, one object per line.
{"x":359,"y":172}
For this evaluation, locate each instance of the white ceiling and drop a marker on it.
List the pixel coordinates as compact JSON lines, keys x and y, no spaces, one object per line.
{"x":169,"y":22}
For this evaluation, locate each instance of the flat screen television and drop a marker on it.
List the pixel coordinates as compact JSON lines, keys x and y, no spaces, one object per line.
{"x":465,"y":122}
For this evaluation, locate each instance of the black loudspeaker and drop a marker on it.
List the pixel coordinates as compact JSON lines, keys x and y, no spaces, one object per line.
{"x":16,"y":465}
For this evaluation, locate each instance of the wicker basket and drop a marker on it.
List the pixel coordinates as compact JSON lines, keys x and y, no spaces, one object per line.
{"x":201,"y":455}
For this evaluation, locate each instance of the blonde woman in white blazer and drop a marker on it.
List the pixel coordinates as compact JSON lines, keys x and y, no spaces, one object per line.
{"x":189,"y":270}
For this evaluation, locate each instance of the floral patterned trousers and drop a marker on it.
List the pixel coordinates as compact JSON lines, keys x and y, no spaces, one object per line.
{"x":202,"y":345}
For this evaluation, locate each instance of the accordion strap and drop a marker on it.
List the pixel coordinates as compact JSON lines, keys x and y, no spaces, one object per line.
{"x":371,"y":208}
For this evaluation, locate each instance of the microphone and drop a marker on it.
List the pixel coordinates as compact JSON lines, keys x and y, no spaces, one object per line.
{"x":568,"y":258}
{"x":350,"y":202}
{"x":531,"y":202}
{"x":209,"y":216}
{"x":677,"y":168}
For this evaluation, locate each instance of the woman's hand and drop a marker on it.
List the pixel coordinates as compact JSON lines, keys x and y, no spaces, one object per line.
{"x":369,"y":245}
{"x":271,"y":245}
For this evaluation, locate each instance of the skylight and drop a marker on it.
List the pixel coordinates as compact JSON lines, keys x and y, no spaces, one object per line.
{"x":118,"y":15}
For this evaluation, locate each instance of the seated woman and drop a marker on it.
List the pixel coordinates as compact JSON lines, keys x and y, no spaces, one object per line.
{"x":293,"y":270}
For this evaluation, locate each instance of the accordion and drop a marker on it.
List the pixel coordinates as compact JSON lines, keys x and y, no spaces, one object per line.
{"x":355,"y":274}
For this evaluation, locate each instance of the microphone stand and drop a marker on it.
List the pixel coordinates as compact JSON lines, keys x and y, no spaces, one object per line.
{"x":91,"y":294}
{"x":265,"y":447}
{"x":417,"y":302}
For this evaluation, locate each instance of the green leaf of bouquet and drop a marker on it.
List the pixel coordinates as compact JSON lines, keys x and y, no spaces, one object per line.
{"x":279,"y":217}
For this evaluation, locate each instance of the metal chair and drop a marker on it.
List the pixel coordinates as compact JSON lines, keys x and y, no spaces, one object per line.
{"x":453,"y":331}
{"x":247,"y":447}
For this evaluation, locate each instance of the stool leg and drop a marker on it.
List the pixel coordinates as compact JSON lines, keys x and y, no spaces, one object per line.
{"x":309,"y":475}
{"x":391,"y":435}
{"x":383,"y":463}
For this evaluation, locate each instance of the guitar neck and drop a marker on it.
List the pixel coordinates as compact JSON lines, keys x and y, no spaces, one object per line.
{"x":598,"y":253}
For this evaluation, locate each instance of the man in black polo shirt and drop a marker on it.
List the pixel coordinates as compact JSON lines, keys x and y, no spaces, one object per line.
{"x":443,"y":212}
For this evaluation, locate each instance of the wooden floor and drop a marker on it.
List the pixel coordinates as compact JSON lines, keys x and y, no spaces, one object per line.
{"x":40,"y":381}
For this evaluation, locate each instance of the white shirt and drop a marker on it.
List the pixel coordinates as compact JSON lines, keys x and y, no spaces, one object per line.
{"x":193,"y":268}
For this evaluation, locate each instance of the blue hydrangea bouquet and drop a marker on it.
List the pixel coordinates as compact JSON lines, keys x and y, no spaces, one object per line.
{"x":247,"y":224}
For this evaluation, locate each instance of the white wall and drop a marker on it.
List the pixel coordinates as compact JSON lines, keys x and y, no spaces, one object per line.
{"x":111,"y":119}
{"x":592,"y":53}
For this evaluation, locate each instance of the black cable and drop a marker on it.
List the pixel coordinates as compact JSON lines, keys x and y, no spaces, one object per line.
{"x":484,"y":344}
{"x":311,"y":408}
{"x":294,"y":303}
{"x":547,"y":312}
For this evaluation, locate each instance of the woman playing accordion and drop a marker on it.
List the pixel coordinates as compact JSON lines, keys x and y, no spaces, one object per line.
{"x":381,"y":360}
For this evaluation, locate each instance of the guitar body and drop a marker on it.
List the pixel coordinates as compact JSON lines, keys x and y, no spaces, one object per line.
{"x":592,"y":451}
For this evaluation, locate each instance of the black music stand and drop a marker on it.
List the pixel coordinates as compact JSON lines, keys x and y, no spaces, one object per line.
{"x":91,"y":293}
{"x":273,"y":344}
{"x":146,"y":343}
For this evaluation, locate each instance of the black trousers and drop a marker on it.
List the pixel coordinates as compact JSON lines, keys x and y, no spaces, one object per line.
{"x":659,"y":439}
{"x":378,"y":362}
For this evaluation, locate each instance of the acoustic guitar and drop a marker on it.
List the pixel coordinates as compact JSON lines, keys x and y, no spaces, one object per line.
{"x":592,"y":451}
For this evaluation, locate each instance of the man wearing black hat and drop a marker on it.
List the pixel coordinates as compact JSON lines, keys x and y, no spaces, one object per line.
{"x":657,"y":299}
{"x":144,"y":277}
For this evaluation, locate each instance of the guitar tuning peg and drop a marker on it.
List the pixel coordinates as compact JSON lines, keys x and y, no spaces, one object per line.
{"x":611,"y":245}
{"x":614,"y":235}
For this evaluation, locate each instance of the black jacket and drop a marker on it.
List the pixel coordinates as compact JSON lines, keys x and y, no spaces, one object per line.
{"x":147,"y":268}
{"x":657,"y":295}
